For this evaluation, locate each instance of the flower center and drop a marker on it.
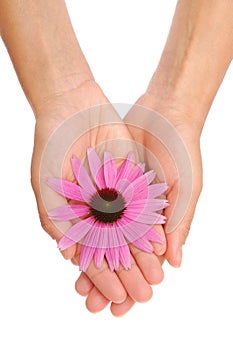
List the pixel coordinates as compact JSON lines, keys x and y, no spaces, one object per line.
{"x":107,"y":205}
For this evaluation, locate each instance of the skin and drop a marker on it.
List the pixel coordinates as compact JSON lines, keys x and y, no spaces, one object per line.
{"x":195,"y":59}
{"x":58,"y":84}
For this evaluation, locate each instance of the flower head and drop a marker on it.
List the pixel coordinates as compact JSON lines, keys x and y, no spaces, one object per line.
{"x":116,"y":207}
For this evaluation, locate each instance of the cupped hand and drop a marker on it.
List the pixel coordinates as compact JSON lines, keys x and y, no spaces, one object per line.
{"x":91,"y":129}
{"x":172,"y":143}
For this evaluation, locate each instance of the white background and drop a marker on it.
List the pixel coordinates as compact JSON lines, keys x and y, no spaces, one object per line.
{"x":39,"y":309}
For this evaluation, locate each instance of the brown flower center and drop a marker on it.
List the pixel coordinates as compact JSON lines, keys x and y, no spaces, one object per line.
{"x":107,"y":205}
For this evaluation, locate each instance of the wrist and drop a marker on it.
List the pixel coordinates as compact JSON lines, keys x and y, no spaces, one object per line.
{"x":174,"y":110}
{"x":70,"y":97}
{"x":56,"y":87}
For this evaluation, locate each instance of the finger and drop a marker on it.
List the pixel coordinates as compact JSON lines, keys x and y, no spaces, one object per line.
{"x":160,"y":248}
{"x":114,"y":285}
{"x":119,"y":310}
{"x":107,"y":282}
{"x":177,"y":238}
{"x":83,"y":285}
{"x":135,"y":284}
{"x":96,"y":301}
{"x":149,"y":265}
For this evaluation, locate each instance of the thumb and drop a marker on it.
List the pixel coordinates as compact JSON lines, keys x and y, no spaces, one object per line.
{"x":176,"y":238}
{"x":56,"y":231}
{"x":47,"y":199}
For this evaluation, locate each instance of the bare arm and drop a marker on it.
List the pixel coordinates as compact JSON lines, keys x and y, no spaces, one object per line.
{"x":43,"y":48}
{"x":196,"y":56}
{"x":58,"y":84}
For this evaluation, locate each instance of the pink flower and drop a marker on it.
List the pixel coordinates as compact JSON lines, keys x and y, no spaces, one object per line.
{"x":116,"y":208}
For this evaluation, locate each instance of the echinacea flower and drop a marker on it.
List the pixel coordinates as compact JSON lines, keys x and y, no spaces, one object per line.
{"x":116,"y":207}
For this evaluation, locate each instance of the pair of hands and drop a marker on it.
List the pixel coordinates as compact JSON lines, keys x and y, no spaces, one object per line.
{"x":124,"y":288}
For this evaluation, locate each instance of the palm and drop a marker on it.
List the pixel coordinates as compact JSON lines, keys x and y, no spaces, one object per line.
{"x":57,"y":138}
{"x":172,"y":149}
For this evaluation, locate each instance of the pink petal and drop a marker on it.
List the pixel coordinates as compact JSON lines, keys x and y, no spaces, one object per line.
{"x":103,"y":236}
{"x":137,"y":171}
{"x":143,"y":241}
{"x":98,"y":236}
{"x":143,"y":244}
{"x":86,"y":195}
{"x":146,"y":218}
{"x":154,"y":236}
{"x":79,"y":230}
{"x":142,"y":210}
{"x":144,"y":180}
{"x":125,"y":168}
{"x":97,"y":169}
{"x":156,"y":190}
{"x":122,"y":185}
{"x":65,"y":243}
{"x":100,"y":180}
{"x":65,"y":188}
{"x":132,"y":230}
{"x":150,"y":176}
{"x":68,"y":212}
{"x":94,"y":238}
{"x":99,"y":256}
{"x":82,"y":176}
{"x":128,"y":194}
{"x":141,"y":193}
{"x":142,"y":166}
{"x":94,"y":162}
{"x":149,"y":205}
{"x":140,"y":184}
{"x":110,"y":170}
{"x":112,"y":256}
{"x":124,"y":257}
{"x":115,"y":237}
{"x":86,"y":256}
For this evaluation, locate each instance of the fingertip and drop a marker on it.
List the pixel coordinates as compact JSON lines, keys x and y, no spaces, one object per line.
{"x":157,"y":277}
{"x":144,"y":294}
{"x":159,"y":249}
{"x":119,"y":310}
{"x":175,"y":258}
{"x":107,"y":282}
{"x":174,"y":248}
{"x":120,"y":296}
{"x":96,"y":301}
{"x":83,"y":285}
{"x":69,"y":253}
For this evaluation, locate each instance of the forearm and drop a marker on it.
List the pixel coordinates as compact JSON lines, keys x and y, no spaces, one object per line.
{"x":196,"y":56}
{"x":43,"y":47}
